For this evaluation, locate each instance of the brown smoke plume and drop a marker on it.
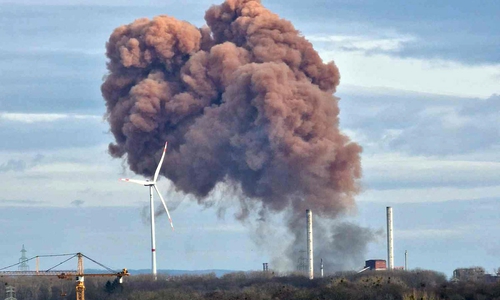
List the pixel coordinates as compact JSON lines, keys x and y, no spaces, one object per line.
{"x":245,"y":100}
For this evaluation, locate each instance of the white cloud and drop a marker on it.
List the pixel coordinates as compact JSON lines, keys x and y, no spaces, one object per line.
{"x":56,"y":50}
{"x":35,"y":118}
{"x":361,"y":43}
{"x":422,"y":124}
{"x":119,"y":3}
{"x":416,"y":163}
{"x":374,"y":70}
{"x":400,"y":178}
{"x":65,"y":175}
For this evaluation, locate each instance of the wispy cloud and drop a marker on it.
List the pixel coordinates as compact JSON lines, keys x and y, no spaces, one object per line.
{"x":56,"y":50}
{"x":435,"y":194}
{"x":365,"y":44}
{"x":30,"y":118}
{"x":421,"y":124}
{"x":77,"y":203}
{"x":453,"y":129}
{"x":21,"y":202}
{"x":20,"y":165}
{"x":15,"y":165}
{"x":401,"y":171}
{"x":377,"y":60}
{"x":40,"y":132}
{"x":428,"y":75}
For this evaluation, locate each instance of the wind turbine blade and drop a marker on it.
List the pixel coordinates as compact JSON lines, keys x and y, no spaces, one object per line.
{"x":141,"y":182}
{"x":161,"y":162}
{"x":165,"y":206}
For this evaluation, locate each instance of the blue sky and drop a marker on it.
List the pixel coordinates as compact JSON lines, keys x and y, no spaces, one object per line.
{"x":419,"y":91}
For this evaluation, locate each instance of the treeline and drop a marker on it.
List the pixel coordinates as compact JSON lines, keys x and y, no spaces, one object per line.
{"x":417,"y":284}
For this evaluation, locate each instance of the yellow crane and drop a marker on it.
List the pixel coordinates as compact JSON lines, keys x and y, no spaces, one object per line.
{"x":78,"y":274}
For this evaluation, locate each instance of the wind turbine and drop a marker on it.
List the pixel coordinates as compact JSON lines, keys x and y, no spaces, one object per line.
{"x":152,"y":185}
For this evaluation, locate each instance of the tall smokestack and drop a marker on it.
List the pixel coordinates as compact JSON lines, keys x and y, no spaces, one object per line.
{"x":390,"y":240}
{"x":310,"y":244}
{"x":321,"y":268}
{"x":406,"y":260}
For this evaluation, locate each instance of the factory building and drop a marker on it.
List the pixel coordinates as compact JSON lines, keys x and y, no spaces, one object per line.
{"x":473,"y":274}
{"x":376,"y":264}
{"x":469,"y":274}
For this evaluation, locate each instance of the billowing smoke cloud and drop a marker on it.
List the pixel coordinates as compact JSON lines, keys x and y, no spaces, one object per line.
{"x":342,"y":245}
{"x":245,"y":100}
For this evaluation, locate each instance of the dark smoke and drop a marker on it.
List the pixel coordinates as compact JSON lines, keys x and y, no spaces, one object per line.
{"x":341,"y":245}
{"x":245,"y":100}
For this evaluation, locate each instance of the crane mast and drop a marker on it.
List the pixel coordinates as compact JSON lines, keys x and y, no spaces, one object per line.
{"x":80,"y":286}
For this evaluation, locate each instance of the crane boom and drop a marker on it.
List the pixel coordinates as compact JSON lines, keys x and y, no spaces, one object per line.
{"x":62,"y":274}
{"x":79,"y":275}
{"x":36,"y":273}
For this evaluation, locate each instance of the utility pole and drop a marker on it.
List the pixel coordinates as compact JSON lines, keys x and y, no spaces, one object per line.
{"x":301,"y":263}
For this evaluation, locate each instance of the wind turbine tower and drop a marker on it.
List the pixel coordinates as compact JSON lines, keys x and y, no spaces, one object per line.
{"x":152,"y":185}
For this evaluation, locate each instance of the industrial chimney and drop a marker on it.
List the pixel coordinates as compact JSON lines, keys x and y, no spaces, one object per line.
{"x":390,"y":240}
{"x":321,"y":268}
{"x":406,"y":260}
{"x":310,"y":250}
